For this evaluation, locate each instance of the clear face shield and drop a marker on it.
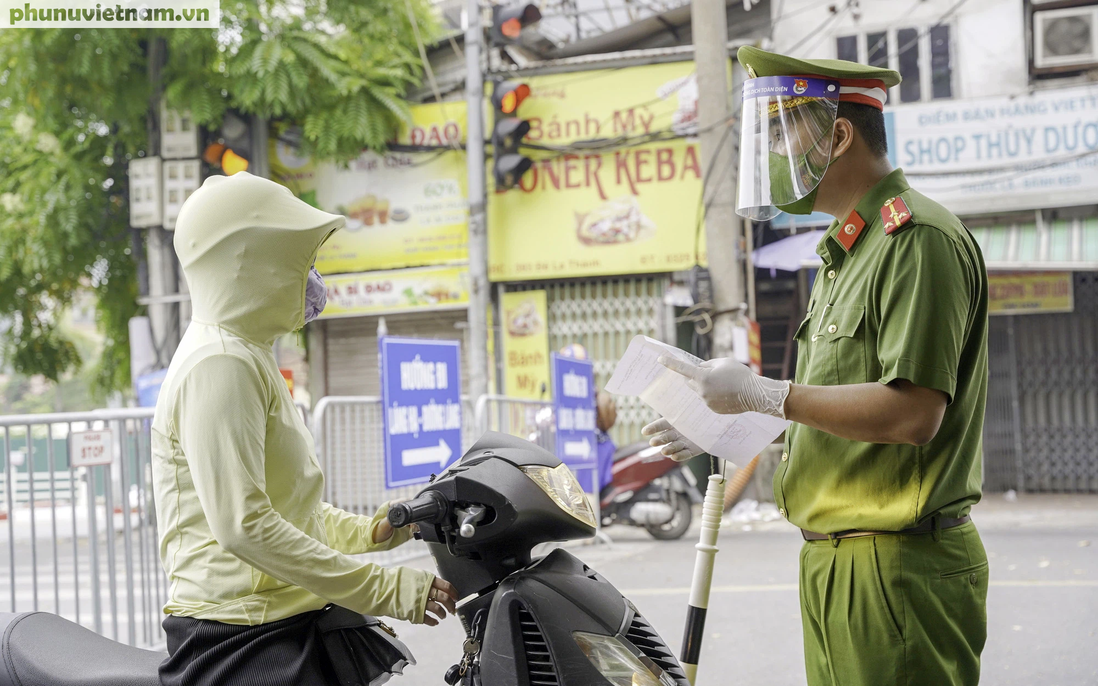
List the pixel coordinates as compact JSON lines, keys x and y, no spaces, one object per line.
{"x":786,"y":134}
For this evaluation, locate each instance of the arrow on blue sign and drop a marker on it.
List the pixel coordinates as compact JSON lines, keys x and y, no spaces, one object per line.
{"x":580,"y":449}
{"x":413,"y":457}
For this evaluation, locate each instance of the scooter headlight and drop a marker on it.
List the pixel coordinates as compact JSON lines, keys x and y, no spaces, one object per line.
{"x":560,"y":484}
{"x":617,"y":663}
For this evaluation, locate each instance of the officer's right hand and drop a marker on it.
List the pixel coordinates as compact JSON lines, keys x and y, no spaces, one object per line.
{"x":441,"y":598}
{"x":675,"y":445}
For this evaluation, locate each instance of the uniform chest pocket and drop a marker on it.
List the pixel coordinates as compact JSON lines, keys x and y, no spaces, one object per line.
{"x":842,"y":333}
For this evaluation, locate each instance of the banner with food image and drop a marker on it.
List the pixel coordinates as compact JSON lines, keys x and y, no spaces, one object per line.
{"x":396,"y":290}
{"x":525,"y":344}
{"x":619,"y":191}
{"x":403,"y":209}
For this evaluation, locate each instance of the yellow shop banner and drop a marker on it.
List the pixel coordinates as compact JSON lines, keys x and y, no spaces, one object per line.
{"x":1030,"y":292}
{"x":398,"y":290}
{"x":403,"y":209}
{"x":629,"y":204}
{"x":525,"y":345}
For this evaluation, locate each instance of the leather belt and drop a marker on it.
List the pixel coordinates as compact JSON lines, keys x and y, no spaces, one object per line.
{"x":925,"y":528}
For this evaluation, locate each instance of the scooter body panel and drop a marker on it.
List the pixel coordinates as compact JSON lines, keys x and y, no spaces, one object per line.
{"x":534,"y":614}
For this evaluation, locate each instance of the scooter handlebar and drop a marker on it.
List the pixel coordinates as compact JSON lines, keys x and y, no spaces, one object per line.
{"x":428,"y":507}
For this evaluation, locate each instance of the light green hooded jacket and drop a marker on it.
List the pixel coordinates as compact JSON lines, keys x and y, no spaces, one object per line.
{"x":244,"y":535}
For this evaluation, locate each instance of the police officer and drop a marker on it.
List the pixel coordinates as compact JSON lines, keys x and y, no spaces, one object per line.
{"x":882,"y":462}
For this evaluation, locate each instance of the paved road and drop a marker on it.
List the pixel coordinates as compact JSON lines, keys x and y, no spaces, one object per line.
{"x":1042,"y":604}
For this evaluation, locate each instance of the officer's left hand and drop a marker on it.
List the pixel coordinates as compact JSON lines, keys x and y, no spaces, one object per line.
{"x":729,"y":387}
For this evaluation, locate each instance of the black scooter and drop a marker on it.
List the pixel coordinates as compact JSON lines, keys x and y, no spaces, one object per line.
{"x":547,"y":622}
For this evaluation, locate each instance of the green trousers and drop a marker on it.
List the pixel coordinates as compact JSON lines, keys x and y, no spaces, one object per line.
{"x":895,"y":609}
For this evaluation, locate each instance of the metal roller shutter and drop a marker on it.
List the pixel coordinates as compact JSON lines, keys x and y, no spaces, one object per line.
{"x":1041,"y":428}
{"x":351,"y":347}
{"x":604,"y":316}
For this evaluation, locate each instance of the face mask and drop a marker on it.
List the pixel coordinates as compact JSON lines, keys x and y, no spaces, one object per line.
{"x":316,"y":295}
{"x":803,"y":206}
{"x":779,"y":178}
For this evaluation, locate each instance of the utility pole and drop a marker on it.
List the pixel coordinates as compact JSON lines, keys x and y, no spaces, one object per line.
{"x":163,"y":281}
{"x":479,"y":295}
{"x":723,"y":227}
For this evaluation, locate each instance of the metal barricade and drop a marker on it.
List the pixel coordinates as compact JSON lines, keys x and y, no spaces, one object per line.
{"x":349,"y":435}
{"x":82,"y":542}
{"x":529,"y":419}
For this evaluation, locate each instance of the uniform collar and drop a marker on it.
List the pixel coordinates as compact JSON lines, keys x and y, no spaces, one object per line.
{"x":842,"y":236}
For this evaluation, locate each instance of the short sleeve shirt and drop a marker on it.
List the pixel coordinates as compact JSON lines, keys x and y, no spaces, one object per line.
{"x":906,"y":303}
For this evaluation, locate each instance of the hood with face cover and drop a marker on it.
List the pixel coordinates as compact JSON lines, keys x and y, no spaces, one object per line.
{"x":246,"y":245}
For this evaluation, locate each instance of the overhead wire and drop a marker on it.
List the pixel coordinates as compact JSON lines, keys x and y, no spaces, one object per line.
{"x":948,"y":13}
{"x":427,"y":64}
{"x":819,"y":29}
{"x":884,"y":35}
{"x":1020,"y":169}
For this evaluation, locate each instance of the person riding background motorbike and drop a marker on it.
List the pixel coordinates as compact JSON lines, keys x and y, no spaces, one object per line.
{"x":606,"y":415}
{"x":254,"y":557}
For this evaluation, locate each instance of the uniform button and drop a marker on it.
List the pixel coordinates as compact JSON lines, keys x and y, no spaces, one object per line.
{"x":831,"y":274}
{"x":781,"y":511}
{"x":832,"y":329}
{"x":785,"y":456}
{"x":972,"y":578}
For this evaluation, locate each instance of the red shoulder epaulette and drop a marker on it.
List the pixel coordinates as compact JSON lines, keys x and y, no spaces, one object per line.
{"x":895,"y":214}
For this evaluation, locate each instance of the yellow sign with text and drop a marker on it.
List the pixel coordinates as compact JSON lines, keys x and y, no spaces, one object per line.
{"x":403,"y":209}
{"x":1030,"y":292}
{"x":525,"y":345}
{"x":626,"y":204}
{"x":397,"y":290}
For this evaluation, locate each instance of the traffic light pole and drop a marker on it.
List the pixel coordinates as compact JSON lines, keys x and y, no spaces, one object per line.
{"x":479,"y":295}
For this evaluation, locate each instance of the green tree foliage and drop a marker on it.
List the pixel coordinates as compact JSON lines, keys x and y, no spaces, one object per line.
{"x":73,"y":111}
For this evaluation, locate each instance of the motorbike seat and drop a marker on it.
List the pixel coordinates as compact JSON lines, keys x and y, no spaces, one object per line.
{"x":630,"y":450}
{"x":43,"y":649}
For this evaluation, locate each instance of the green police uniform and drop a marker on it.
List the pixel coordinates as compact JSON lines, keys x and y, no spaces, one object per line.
{"x":902,"y":294}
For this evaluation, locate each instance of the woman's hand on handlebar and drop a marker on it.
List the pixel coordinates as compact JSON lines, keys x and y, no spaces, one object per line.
{"x":442,"y":598}
{"x":384,"y":530}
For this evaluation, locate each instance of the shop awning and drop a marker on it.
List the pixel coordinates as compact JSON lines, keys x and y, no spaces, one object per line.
{"x":790,"y":254}
{"x":1064,"y":244}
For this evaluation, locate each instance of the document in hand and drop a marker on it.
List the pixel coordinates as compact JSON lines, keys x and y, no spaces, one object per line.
{"x":737,"y":438}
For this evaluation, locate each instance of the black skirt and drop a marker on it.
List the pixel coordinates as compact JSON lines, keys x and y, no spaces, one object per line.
{"x":203,"y":652}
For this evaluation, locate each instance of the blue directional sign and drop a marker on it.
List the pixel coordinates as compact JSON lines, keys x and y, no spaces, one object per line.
{"x":574,"y":409}
{"x":421,"y":399}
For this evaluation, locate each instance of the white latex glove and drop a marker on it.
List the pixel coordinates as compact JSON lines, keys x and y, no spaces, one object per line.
{"x":729,"y":387}
{"x":675,"y":445}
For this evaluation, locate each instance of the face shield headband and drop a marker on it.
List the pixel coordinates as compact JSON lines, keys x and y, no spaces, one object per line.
{"x":785,"y":141}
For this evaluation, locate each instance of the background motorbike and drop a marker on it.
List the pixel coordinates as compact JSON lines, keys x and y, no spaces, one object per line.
{"x":645,"y":489}
{"x":651,"y":491}
{"x":551,"y":621}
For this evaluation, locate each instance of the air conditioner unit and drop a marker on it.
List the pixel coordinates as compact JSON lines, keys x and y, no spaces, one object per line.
{"x":1066,"y":37}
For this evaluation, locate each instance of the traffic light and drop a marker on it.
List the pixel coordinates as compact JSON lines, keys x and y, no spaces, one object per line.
{"x":509,"y":20}
{"x":230,"y":147}
{"x":508,"y":164}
